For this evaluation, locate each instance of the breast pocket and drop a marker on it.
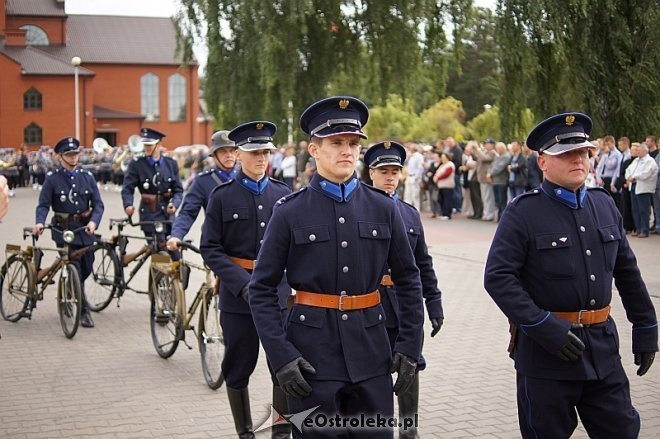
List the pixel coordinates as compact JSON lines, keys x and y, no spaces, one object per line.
{"x":413,"y":232}
{"x":234,"y":214}
{"x":311,"y":235}
{"x":556,"y":254}
{"x":610,"y":237}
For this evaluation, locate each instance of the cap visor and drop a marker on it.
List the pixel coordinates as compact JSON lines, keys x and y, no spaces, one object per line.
{"x":561,"y":148}
{"x":147,"y":141}
{"x":386,"y":163}
{"x":256,"y":146}
{"x":340,"y":129}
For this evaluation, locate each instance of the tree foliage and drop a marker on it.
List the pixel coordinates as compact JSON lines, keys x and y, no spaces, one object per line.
{"x":264,"y":55}
{"x":596,"y":56}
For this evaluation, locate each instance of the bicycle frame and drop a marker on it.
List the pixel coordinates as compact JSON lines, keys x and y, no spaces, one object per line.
{"x":164,"y":264}
{"x":141,"y":257}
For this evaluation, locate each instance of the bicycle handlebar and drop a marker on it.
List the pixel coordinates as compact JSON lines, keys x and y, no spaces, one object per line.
{"x":188,"y":246}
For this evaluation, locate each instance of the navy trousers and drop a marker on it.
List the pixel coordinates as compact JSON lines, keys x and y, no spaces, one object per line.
{"x":549,"y":408}
{"x":372,"y":398}
{"x":241,"y":349}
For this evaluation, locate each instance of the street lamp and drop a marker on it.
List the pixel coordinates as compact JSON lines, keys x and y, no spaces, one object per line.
{"x":75,"y":61}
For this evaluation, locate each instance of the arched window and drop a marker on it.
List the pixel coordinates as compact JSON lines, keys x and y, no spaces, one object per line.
{"x":35,"y":35}
{"x":32,"y":134}
{"x":149,"y":84}
{"x":32,"y":99}
{"x":176,"y":85}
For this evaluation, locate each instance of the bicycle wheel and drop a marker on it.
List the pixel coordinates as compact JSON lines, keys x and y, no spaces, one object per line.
{"x":166,"y":324}
{"x":100,"y":287}
{"x":16,"y":285}
{"x":211,"y":341}
{"x":69,"y":299}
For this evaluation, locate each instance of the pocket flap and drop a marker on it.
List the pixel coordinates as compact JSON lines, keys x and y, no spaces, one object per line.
{"x":610,"y":233}
{"x":311,"y":234}
{"x":552,"y":241}
{"x":374,"y":230}
{"x":234,"y":214}
{"x":373,"y":316}
{"x":412,"y":229}
{"x":308,"y":316}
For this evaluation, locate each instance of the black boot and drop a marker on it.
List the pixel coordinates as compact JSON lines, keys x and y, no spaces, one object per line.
{"x":86,"y":316}
{"x":239,"y":401}
{"x":282,"y":431}
{"x":408,"y":405}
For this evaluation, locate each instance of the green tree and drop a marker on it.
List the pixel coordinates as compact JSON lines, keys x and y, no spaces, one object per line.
{"x":475,"y":81}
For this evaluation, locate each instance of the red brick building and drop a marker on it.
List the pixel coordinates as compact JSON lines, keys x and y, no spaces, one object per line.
{"x":130,"y":76}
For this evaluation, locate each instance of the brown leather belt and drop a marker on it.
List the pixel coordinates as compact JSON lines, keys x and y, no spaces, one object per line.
{"x":248,"y":264}
{"x":75,"y":217}
{"x":387,"y":281}
{"x":586,"y":317}
{"x":340,"y":302}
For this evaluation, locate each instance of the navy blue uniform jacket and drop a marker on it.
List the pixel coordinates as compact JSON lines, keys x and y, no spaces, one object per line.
{"x":156,"y":179}
{"x":70,"y":193}
{"x":550,"y":254}
{"x":424,"y":261}
{"x":336,"y":239}
{"x":197,"y":198}
{"x":236,"y":219}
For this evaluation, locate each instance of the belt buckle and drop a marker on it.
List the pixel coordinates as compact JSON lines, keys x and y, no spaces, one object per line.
{"x":580,"y":314}
{"x":341,"y":302}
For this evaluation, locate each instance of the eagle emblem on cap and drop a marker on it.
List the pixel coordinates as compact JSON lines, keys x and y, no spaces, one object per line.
{"x":343,"y":103}
{"x":260,"y":126}
{"x":570,"y":120}
{"x":387,"y":145}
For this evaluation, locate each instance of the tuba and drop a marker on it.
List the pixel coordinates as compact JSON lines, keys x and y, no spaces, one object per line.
{"x":135,"y":145}
{"x":100,"y":145}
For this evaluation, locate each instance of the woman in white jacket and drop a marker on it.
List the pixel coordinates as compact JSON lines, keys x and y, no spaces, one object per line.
{"x":444,"y":180}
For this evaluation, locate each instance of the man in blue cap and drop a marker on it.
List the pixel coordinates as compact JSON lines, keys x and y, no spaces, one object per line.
{"x":550,"y":269}
{"x":333,"y":238}
{"x":385,"y":161}
{"x":73,"y":195}
{"x":236,"y":218}
{"x":223,"y":152}
{"x":157,"y":179}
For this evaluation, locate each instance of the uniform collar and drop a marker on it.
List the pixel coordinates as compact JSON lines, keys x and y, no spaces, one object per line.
{"x":225,"y":175}
{"x":152,"y":162}
{"x":574,"y":200}
{"x":395,"y":196}
{"x":339,"y":192}
{"x":256,"y":187}
{"x":69,"y":173}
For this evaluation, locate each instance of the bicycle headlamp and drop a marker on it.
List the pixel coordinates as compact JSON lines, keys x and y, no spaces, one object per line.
{"x":158,"y":227}
{"x":68,"y":236}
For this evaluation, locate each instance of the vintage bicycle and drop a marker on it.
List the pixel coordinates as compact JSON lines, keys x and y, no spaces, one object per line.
{"x":170,"y":317}
{"x":22,"y":282}
{"x":108,"y":279}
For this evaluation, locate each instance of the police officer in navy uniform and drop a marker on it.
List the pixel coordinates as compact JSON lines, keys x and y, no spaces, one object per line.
{"x":385,"y":161}
{"x":333,"y":238}
{"x":157,"y":179}
{"x":223,"y":151}
{"x":550,"y":269}
{"x":73,"y":195}
{"x":233,"y":231}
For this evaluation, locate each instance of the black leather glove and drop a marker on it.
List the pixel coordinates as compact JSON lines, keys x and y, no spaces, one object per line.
{"x":244,"y":293}
{"x":572,"y":347}
{"x":405,"y":368}
{"x":290,"y":377}
{"x":437,"y":324}
{"x":644,"y":360}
